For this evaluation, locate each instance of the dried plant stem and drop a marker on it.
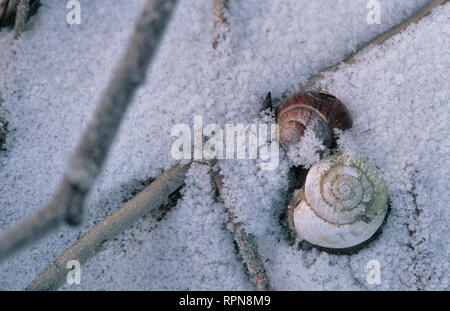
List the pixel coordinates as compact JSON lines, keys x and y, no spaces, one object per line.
{"x":15,"y":13}
{"x":245,"y":242}
{"x":23,"y":9}
{"x":220,"y":8}
{"x":152,"y":197}
{"x":3,"y":131}
{"x":377,"y":41}
{"x":87,"y":161}
{"x":3,"y":9}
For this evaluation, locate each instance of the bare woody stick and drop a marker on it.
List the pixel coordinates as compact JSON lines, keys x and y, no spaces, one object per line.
{"x":149,"y":199}
{"x":3,"y":9}
{"x":15,"y":13}
{"x":220,"y":9}
{"x":377,"y":41}
{"x":23,"y":9}
{"x":245,"y":242}
{"x":89,"y":156}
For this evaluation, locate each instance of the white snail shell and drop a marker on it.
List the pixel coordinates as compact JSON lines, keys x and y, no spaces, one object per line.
{"x":342,"y":204}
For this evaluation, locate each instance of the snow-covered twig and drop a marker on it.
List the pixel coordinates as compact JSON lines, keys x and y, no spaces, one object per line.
{"x":3,"y":131}
{"x":16,"y":13}
{"x":89,"y":156}
{"x":3,"y":9}
{"x":220,"y":9}
{"x":245,"y":242}
{"x":23,"y":9}
{"x":377,"y":41}
{"x":152,"y":197}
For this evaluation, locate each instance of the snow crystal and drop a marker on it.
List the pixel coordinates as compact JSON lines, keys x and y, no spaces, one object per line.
{"x":308,"y":151}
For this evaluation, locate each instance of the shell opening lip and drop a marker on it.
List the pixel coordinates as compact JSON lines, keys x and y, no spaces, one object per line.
{"x":348,"y":250}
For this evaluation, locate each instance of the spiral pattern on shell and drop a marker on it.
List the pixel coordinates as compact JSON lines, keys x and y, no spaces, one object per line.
{"x":343,"y":203}
{"x":345,"y":191}
{"x":320,"y":110}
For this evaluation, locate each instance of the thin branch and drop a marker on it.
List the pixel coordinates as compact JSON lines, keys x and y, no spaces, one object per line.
{"x":23,"y":10}
{"x":245,"y":242}
{"x":220,"y":9}
{"x":377,"y":41}
{"x":3,"y":9}
{"x":3,"y":131}
{"x":87,"y":161}
{"x":15,"y":13}
{"x":148,"y":200}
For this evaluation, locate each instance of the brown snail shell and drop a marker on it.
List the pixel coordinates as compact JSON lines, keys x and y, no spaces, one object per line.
{"x":321,"y":110}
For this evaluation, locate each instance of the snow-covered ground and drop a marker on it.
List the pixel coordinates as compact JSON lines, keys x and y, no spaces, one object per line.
{"x":52,"y":77}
